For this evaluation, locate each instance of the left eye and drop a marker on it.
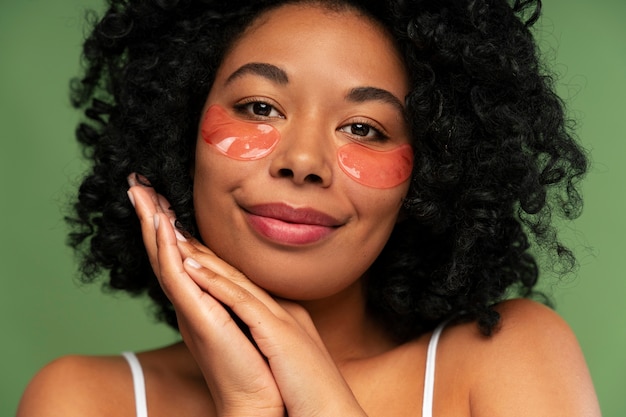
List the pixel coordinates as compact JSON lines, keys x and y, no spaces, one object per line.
{"x":363,"y":130}
{"x":359,"y":129}
{"x":258,"y":109}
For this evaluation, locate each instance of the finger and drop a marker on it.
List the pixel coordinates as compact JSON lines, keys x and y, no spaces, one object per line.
{"x":188,"y":298}
{"x":262,"y":314}
{"x":165,"y":207}
{"x":300,"y":363}
{"x":205,"y":317}
{"x":172,"y":276}
{"x":158,"y":202}
{"x":192,"y":248}
{"x":208,"y":259}
{"x":145,"y":209}
{"x":147,"y":202}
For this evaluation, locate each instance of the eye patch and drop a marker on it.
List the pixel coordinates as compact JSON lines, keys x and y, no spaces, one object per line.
{"x":376,"y":169}
{"x":237,"y":139}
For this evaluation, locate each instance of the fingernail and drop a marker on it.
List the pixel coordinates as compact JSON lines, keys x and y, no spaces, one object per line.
{"x":179,"y":236}
{"x":131,"y":198}
{"x":132,"y":179}
{"x":163,"y":203}
{"x":156,"y":221}
{"x":193,"y":263}
{"x":143,"y":181}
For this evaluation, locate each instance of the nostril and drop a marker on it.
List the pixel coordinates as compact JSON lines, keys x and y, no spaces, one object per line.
{"x":285,"y":173}
{"x":312,"y":178}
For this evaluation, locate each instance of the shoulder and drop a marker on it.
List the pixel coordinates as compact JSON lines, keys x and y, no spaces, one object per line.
{"x":531,"y":365}
{"x":79,"y":386}
{"x":530,"y":334}
{"x":103,"y":386}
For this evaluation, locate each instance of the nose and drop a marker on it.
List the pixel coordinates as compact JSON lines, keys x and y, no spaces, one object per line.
{"x":304,"y":155}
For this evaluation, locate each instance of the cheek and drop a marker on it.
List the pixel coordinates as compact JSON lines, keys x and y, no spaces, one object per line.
{"x":376,"y":169}
{"x":243,"y":141}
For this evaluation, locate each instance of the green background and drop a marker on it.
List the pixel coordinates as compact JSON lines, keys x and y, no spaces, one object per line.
{"x":45,"y":313}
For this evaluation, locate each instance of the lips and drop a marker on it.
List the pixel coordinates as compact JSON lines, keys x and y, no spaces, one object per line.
{"x":287,"y":225}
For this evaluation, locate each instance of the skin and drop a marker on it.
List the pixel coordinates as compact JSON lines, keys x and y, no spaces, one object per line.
{"x":237,"y":139}
{"x":319,"y":353}
{"x":313,"y":116}
{"x":247,"y":140}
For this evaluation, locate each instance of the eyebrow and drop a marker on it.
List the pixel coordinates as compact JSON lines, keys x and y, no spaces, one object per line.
{"x":279,"y":76}
{"x":363,"y":94}
{"x":269,"y":71}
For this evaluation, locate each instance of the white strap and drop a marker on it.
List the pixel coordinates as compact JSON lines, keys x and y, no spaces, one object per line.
{"x":429,"y":375}
{"x":138,"y":384}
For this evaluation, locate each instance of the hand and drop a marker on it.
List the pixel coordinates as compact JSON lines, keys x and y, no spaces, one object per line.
{"x":291,"y":368}
{"x":237,"y":375}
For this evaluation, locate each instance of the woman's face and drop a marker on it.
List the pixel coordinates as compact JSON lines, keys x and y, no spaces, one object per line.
{"x":303,"y":156}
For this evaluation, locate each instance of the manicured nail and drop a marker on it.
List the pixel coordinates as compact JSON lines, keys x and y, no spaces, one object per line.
{"x":156,"y":221}
{"x":164,"y":204}
{"x":143,"y":181}
{"x":179,"y":236}
{"x":193,"y":263}
{"x":132,"y":179}
{"x":131,"y":198}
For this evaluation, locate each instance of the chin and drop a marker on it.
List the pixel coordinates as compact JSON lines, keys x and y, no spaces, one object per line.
{"x":302,"y":287}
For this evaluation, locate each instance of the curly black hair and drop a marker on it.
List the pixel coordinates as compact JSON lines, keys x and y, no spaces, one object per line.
{"x":494,"y":155}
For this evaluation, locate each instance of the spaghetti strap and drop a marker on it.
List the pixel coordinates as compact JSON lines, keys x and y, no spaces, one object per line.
{"x":138,"y":384}
{"x":429,"y":375}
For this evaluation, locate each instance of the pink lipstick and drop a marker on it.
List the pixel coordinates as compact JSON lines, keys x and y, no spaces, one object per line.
{"x":290,"y":226}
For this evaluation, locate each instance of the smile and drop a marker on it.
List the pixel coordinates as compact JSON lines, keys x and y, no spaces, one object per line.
{"x":286,"y":225}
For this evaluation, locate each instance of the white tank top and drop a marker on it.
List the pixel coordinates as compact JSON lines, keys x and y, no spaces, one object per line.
{"x":429,"y":378}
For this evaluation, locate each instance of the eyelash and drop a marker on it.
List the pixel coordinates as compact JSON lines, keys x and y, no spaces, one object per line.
{"x":244,"y":109}
{"x":379,"y":133}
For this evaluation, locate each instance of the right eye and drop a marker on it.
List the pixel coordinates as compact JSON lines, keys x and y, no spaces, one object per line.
{"x":258,"y":109}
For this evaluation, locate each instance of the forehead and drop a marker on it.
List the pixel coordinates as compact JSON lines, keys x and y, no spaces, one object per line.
{"x":291,"y":17}
{"x":299,"y":10}
{"x":315,"y":34}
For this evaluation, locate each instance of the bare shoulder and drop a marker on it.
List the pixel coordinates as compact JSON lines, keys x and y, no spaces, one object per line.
{"x":103,"y":386}
{"x":530,"y":329}
{"x":79,"y":386}
{"x":531,"y":365}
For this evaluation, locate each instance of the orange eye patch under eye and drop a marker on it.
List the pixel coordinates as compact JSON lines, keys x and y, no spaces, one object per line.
{"x":376,"y":169}
{"x":241,"y":140}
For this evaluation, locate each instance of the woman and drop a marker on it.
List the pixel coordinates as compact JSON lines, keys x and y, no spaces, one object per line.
{"x":328,"y":194}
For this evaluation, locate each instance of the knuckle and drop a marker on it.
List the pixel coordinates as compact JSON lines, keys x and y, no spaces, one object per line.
{"x":240,"y":295}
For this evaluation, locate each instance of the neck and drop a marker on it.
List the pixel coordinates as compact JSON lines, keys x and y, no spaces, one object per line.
{"x":346,"y":328}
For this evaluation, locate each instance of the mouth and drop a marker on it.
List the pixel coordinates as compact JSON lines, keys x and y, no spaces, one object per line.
{"x":286,"y":225}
